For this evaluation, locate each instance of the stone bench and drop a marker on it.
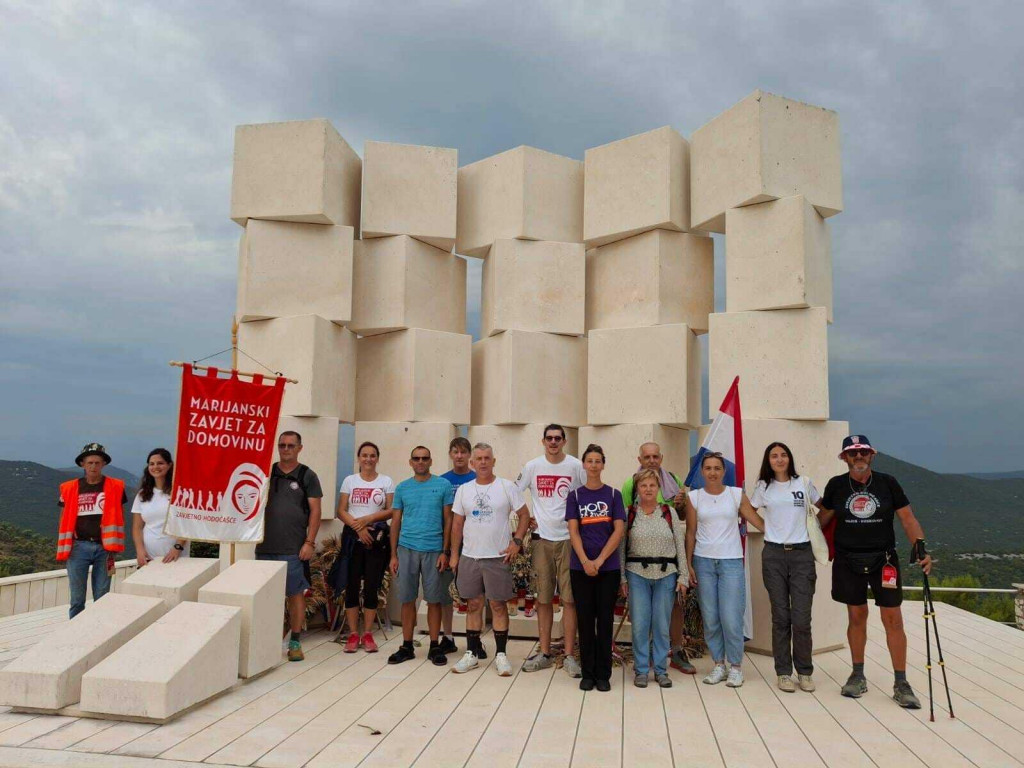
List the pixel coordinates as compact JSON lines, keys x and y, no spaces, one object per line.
{"x":174,"y":582}
{"x":48,"y":676}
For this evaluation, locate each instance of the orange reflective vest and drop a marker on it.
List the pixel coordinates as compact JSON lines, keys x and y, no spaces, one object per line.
{"x":111,"y":520}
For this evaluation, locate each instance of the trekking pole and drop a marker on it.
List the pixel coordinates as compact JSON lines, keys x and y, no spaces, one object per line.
{"x":928,"y":655}
{"x":938,"y":644}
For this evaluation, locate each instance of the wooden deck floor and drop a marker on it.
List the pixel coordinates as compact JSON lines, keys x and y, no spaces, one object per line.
{"x":337,"y":709}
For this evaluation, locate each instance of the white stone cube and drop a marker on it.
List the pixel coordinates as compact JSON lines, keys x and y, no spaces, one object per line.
{"x":175,"y":582}
{"x":396,"y":441}
{"x":295,"y":171}
{"x":778,"y":255}
{"x":781,"y":358}
{"x":49,"y":674}
{"x":414,"y":375}
{"x":636,"y":184}
{"x":520,"y":377}
{"x":516,"y":444}
{"x":400,"y":282}
{"x":184,"y":658}
{"x":525,"y":194}
{"x":410,"y":190}
{"x":656,"y":278}
{"x":294,"y":269}
{"x":644,"y":376}
{"x":621,"y":444}
{"x":258,"y":588}
{"x":319,"y":453}
{"x":764,"y":147}
{"x":319,"y":354}
{"x":533,"y":286}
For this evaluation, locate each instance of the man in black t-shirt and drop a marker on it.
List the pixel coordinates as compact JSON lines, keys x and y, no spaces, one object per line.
{"x":865,"y":505}
{"x":291,"y":521}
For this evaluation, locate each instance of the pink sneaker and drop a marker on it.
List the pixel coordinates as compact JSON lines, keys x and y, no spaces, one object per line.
{"x":352,"y":644}
{"x":369,"y":645}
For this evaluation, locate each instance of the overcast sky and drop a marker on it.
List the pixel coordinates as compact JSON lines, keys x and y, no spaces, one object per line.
{"x":116,"y":126}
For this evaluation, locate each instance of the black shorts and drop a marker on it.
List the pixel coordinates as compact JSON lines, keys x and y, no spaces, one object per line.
{"x":851,"y":587}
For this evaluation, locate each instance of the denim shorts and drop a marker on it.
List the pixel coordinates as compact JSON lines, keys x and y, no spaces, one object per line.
{"x":413,"y":566}
{"x":297,"y":583}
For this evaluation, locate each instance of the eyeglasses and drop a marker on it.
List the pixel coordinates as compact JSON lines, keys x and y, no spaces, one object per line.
{"x":287,"y":446}
{"x":554,"y":438}
{"x":859,"y":452}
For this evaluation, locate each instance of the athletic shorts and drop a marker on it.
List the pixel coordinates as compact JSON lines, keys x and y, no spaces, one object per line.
{"x":414,"y":567}
{"x":447,"y":577}
{"x":488,"y":576}
{"x":296,"y":581}
{"x":851,"y":587}
{"x":551,"y":562}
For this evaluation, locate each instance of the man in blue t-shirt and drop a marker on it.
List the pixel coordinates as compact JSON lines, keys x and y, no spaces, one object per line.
{"x":459,"y":451}
{"x":420,"y":547}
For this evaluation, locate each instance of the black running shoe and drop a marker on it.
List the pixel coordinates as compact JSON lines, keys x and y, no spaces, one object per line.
{"x":447,"y":645}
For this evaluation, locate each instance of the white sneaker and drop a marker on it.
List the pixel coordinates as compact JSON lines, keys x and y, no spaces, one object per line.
{"x":806,"y":683}
{"x":735,"y":677}
{"x":503,"y":665}
{"x":716,"y":675}
{"x":467,"y":662}
{"x":572,"y":667}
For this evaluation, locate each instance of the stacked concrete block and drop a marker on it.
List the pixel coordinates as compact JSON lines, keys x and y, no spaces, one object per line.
{"x":175,"y":582}
{"x":778,"y":255}
{"x":522,"y":377}
{"x":644,"y":376}
{"x":781,"y":358}
{"x":621,"y":443}
{"x":274,"y":257}
{"x":297,"y":171}
{"x":636,"y":184}
{"x":656,"y":278}
{"x":414,"y":375}
{"x":318,"y":353}
{"x":522,"y":194}
{"x":764,"y":148}
{"x":533,"y":286}
{"x":401,"y":282}
{"x":409,"y":190}
{"x":397,"y":439}
{"x":258,"y":588}
{"x":319,"y":453}
{"x":184,"y":658}
{"x":48,"y":676}
{"x":516,"y":444}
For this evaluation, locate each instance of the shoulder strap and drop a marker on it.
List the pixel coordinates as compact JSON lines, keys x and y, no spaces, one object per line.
{"x":630,"y":516}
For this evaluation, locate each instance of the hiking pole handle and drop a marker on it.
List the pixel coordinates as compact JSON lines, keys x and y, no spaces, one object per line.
{"x":917,"y":551}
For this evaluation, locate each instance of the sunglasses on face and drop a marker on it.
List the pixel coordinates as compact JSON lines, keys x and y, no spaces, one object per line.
{"x":864,"y":452}
{"x":554,"y":438}
{"x":421,"y":458}
{"x":286,"y":446}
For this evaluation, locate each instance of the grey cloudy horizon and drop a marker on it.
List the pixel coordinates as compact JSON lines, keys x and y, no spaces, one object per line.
{"x":116,"y":130}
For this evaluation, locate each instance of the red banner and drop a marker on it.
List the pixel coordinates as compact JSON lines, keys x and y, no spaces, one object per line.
{"x":226,"y":433}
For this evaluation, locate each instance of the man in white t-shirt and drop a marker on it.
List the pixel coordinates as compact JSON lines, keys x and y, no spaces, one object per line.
{"x":550,"y":479}
{"x":482,"y":508}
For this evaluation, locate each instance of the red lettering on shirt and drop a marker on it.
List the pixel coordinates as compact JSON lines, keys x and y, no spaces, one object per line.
{"x":549,"y":486}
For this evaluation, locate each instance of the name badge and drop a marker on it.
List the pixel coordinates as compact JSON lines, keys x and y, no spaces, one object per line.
{"x":889,"y":576}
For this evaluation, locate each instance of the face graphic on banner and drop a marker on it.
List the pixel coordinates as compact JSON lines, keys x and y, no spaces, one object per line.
{"x":245,"y":488}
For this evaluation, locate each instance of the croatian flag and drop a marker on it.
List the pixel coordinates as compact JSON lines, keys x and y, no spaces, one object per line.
{"x":726,"y":437}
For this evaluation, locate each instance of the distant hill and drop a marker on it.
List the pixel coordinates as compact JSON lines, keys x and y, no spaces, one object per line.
{"x":28,"y":495}
{"x":997,"y":475}
{"x":961,"y":512}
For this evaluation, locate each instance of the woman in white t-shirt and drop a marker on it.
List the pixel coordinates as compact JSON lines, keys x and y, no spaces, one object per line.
{"x":787,"y":563}
{"x":365,"y":507}
{"x":149,"y":512}
{"x":714,"y":553}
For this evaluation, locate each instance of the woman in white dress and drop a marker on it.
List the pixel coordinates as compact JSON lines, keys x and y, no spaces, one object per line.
{"x":149,"y":512}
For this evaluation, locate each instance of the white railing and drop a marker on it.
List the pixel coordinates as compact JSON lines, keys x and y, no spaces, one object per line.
{"x":46,"y":589}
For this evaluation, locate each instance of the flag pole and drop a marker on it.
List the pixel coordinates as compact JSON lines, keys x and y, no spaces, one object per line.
{"x":234,"y":368}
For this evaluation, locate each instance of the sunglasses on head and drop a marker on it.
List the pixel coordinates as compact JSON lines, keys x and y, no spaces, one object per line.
{"x":859,"y":452}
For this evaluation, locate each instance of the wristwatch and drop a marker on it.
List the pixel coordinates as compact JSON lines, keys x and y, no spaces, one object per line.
{"x":179,"y":547}
{"x":518,"y":542}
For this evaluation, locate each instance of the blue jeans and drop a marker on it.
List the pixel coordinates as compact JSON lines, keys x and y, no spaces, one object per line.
{"x":650,"y":611}
{"x":84,"y":554}
{"x":722,"y":593}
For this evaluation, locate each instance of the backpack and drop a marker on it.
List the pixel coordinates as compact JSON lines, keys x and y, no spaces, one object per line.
{"x":666,"y":514}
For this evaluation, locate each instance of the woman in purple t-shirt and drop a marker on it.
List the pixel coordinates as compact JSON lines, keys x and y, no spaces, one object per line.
{"x":597,"y":522}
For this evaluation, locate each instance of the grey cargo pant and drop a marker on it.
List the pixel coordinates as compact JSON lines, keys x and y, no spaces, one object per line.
{"x":790,"y":576}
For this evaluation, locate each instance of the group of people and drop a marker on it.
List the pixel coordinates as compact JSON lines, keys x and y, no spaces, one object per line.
{"x":588,"y":543}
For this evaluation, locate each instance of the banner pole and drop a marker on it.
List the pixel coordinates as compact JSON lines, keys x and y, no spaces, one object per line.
{"x":234,"y":367}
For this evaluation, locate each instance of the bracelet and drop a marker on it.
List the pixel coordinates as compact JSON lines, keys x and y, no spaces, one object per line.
{"x":311,"y":543}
